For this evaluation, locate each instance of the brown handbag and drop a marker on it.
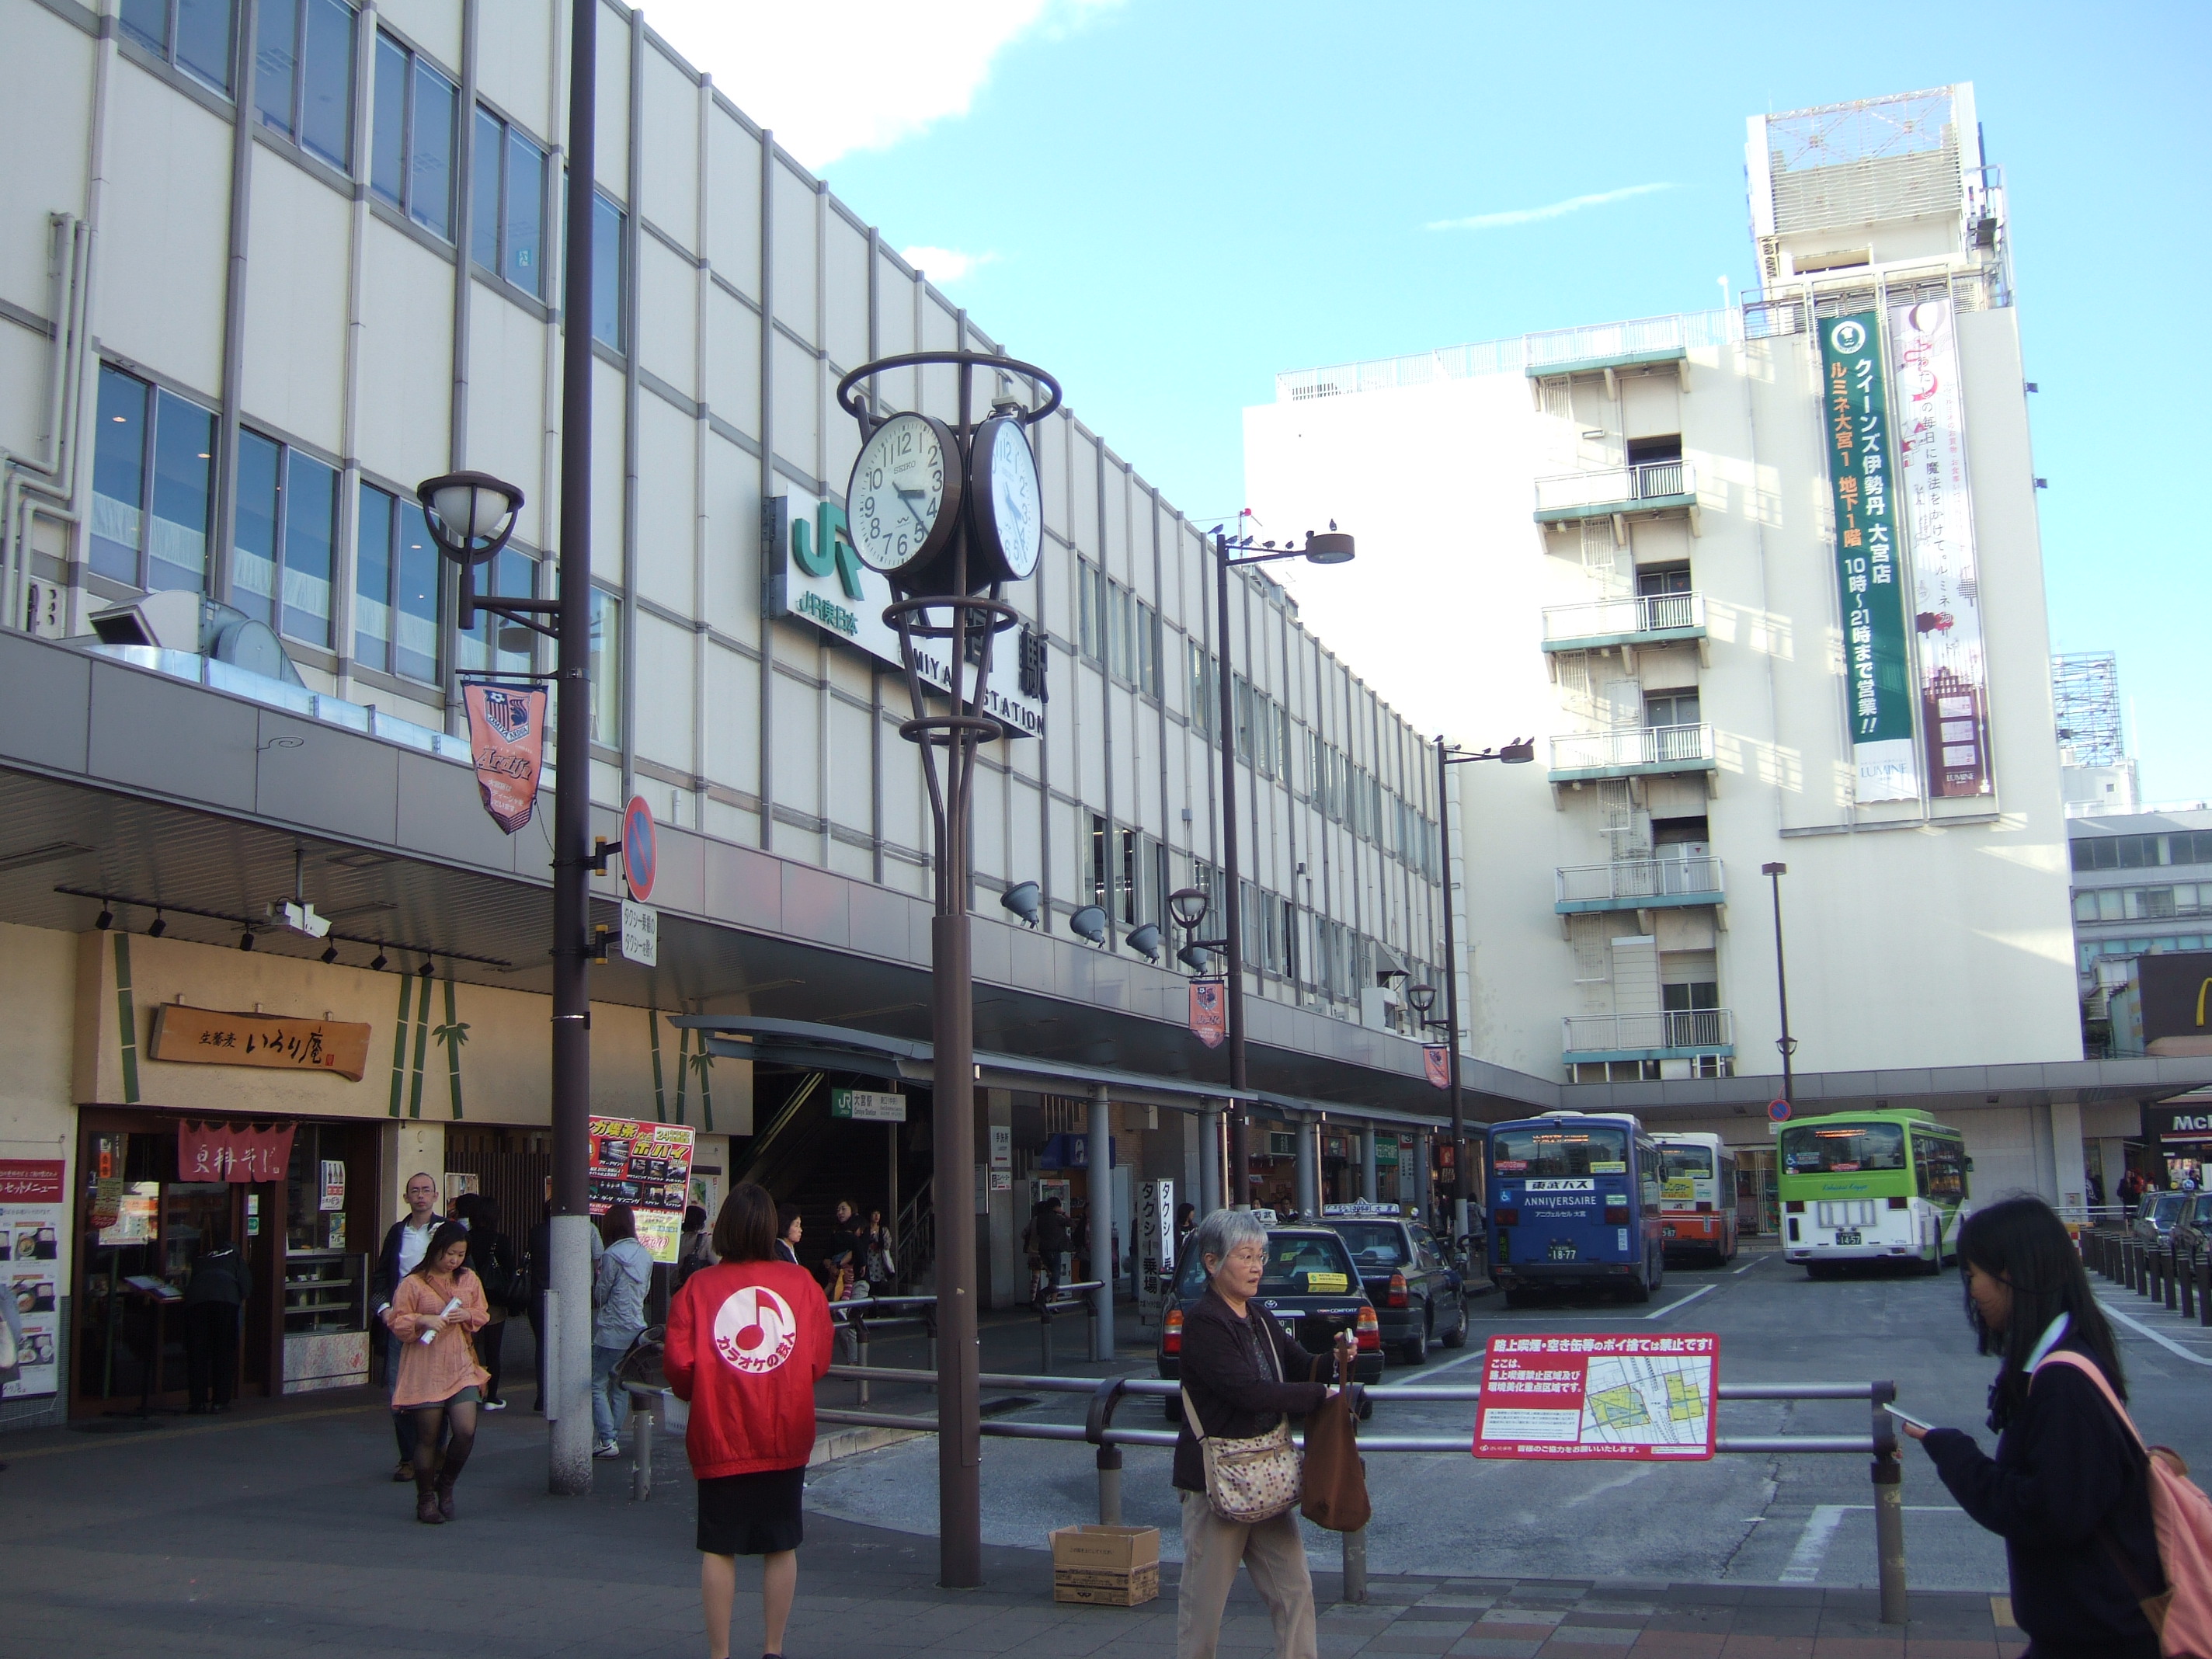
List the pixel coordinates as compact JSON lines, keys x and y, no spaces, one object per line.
{"x":1336,"y":1476}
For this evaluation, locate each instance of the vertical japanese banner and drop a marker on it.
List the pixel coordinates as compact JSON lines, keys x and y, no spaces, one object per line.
{"x":507,"y":738}
{"x":31,"y":1199}
{"x":1937,"y":508}
{"x":1878,"y":689}
{"x":1436,"y":1061}
{"x":1209,"y":1014}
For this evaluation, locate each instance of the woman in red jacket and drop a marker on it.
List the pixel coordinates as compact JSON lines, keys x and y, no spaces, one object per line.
{"x":747,"y":1339}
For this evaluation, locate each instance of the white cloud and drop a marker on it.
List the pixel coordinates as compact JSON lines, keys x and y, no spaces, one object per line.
{"x":1553,"y":210}
{"x":944,"y":265}
{"x":832,"y":78}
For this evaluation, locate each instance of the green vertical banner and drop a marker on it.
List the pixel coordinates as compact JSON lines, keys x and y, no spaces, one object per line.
{"x":1878,"y":687}
{"x":126,"y":1019}
{"x":399,"y":1044}
{"x":452,"y":1035}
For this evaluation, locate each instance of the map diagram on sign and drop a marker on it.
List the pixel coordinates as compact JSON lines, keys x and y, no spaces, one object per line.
{"x":1598,"y":1397}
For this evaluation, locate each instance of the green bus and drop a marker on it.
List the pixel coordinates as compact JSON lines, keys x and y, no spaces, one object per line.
{"x":1881,"y":1186}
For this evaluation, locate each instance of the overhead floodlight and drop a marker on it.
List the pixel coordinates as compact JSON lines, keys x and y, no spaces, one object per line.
{"x":106,"y":919}
{"x":1331,"y":546}
{"x":1024,"y":900}
{"x":381,"y":963}
{"x":1196,"y":957}
{"x":1089,"y":924}
{"x":158,"y":926}
{"x":1146,"y":942}
{"x":330,"y":954}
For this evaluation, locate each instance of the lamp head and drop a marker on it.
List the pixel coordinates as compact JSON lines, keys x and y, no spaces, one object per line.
{"x":1519,"y":752}
{"x":1422,"y":997}
{"x":1330,"y":546}
{"x":471,"y":515}
{"x":1089,"y":924}
{"x":1773,"y":869}
{"x":1023,"y":899}
{"x":1146,"y":942}
{"x":1196,"y":957}
{"x":1187,"y":905}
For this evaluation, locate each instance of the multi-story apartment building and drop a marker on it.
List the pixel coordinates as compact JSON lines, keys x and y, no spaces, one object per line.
{"x":1767,"y":585}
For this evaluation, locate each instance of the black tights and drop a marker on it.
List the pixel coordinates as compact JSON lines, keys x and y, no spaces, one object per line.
{"x":460,"y":1421}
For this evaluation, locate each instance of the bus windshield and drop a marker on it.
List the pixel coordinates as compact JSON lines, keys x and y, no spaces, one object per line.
{"x":1579,"y":1150}
{"x":1686,"y":1162}
{"x":1842,"y":1148}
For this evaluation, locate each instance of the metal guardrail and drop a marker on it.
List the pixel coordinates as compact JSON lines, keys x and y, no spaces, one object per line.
{"x":1630,"y":614}
{"x":1607,"y":486}
{"x":1632,"y":745}
{"x":1636,"y":878}
{"x":1106,"y":1393}
{"x":1709,"y":1029}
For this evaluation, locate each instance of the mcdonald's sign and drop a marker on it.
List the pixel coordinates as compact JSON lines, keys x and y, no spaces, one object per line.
{"x":2177,"y":1002}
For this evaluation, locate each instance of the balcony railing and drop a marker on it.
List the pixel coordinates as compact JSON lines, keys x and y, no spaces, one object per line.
{"x":1636,"y":748}
{"x":1686,"y":1031}
{"x":1624,"y":619}
{"x":1616,"y":489}
{"x":1636,"y":883}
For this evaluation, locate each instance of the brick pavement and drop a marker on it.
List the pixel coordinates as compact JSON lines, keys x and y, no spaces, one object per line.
{"x":279,"y":1532}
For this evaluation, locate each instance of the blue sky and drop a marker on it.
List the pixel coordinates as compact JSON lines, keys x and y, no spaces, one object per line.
{"x":1165,"y":204}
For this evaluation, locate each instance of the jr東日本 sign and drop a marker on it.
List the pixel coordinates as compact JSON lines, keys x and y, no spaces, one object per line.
{"x":208,"y":1036}
{"x":646,"y":1166}
{"x":813,"y":575}
{"x":1877,"y":696}
{"x":1634,"y":1396}
{"x":1936,"y":507}
{"x":863,"y":1106}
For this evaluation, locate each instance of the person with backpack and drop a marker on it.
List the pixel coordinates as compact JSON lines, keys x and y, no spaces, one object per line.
{"x":2069,"y":1490}
{"x":1049,"y":1240}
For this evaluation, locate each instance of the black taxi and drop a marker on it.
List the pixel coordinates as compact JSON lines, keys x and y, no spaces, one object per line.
{"x":1310,"y":1286}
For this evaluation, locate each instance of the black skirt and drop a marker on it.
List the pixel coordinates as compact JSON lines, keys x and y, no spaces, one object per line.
{"x":753,"y":1514}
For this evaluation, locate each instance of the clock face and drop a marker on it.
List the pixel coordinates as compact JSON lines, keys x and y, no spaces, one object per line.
{"x":903,"y":500}
{"x":1011,"y":509}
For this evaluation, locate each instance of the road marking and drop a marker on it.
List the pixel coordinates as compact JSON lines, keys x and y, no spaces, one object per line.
{"x":1677,"y":1307}
{"x":1748,"y":1265}
{"x":1812,"y":1550}
{"x":2163,"y":1341}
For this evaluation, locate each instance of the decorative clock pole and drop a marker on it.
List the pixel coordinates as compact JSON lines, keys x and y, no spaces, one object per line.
{"x":950,"y":513}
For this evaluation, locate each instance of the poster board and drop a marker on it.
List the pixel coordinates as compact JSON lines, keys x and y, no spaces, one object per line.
{"x":31,"y":1194}
{"x":1578,"y":1397}
{"x":646,"y":1166}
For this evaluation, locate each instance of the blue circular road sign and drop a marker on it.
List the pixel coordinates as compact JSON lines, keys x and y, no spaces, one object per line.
{"x":1778,"y":1111}
{"x":641,"y":850}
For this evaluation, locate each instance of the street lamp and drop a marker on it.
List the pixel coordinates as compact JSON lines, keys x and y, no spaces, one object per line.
{"x":1785,"y":1042}
{"x":1519,"y":752}
{"x":1330,"y":546}
{"x":948,"y":512}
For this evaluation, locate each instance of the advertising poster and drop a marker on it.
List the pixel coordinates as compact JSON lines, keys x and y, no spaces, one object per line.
{"x":1937,"y":509}
{"x":30,"y":1193}
{"x":646,"y":1166}
{"x":507,"y":739}
{"x":1855,"y":415}
{"x":1612,"y":1397}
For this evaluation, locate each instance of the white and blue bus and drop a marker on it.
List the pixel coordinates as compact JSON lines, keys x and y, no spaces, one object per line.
{"x":1575,"y":1201}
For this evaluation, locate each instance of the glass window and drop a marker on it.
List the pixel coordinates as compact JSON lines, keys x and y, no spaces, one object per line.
{"x":416,"y":596}
{"x":276,"y":64}
{"x":118,"y":476}
{"x":396,"y":588}
{"x":412,"y":158}
{"x":372,"y":579}
{"x":485,"y":173}
{"x":606,"y":669}
{"x":303,"y":75}
{"x":1571,"y":1149}
{"x":1684,"y":1162}
{"x":608,"y":289}
{"x":310,"y":542}
{"x":1674,"y":709}
{"x":1375,"y":1243}
{"x":253,"y":548}
{"x":495,"y":645}
{"x":523,"y":223}
{"x":387,"y":138}
{"x":1842,"y":1148}
{"x":200,"y":29}
{"x":147,"y":22}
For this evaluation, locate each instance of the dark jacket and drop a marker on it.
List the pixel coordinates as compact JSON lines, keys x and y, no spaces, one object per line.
{"x":218,"y":1276}
{"x":388,"y":1265}
{"x":1050,"y":1232}
{"x":1231,"y":1381}
{"x":2068,"y":1487}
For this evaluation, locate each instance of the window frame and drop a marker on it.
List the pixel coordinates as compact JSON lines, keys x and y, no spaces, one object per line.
{"x":165,"y":50}
{"x":280,"y":539}
{"x":395,"y":577}
{"x":148,"y":481}
{"x":414,"y":66}
{"x":508,"y":134}
{"x":297,"y":131}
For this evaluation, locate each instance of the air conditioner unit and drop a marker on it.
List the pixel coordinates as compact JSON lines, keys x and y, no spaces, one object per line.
{"x":182,"y":621}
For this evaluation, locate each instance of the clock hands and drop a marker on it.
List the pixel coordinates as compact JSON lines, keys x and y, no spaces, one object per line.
{"x":910,"y":497}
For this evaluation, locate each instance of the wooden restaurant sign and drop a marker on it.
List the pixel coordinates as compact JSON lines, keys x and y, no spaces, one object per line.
{"x":206,"y":1036}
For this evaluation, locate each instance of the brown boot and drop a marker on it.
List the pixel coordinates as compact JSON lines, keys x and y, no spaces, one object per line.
{"x":444,"y":1492}
{"x":427,"y":1511}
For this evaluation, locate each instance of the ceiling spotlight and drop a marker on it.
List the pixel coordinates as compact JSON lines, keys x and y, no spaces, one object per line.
{"x":1089,"y":924}
{"x":158,"y":926}
{"x":330,"y":954}
{"x":106,"y":919}
{"x":1024,"y":900}
{"x":428,"y":969}
{"x":1146,"y":942}
{"x":245,"y":940}
{"x":381,"y":963}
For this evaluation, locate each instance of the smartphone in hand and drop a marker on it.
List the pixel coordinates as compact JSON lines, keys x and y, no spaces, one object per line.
{"x":1908,"y":1419}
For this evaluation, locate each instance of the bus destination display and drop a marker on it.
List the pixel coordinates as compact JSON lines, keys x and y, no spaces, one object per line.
{"x":1566,"y":1397}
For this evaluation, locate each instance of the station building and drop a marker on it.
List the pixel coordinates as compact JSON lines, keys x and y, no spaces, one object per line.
{"x":265,"y":266}
{"x":1766,"y":586}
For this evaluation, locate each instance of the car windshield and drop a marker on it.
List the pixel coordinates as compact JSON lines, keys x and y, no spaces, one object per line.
{"x":2167,"y":1208}
{"x":1299,"y":1264}
{"x":1842,"y":1148}
{"x":1568,"y":1149}
{"x":1375,"y":1243}
{"x":1684,"y":1162}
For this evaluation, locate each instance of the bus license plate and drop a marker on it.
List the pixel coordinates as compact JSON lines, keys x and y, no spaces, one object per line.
{"x":1563,"y":1252}
{"x":1848,"y":1237}
{"x":1669,"y":1229}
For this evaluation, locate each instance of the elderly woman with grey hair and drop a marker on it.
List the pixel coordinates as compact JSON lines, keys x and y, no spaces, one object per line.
{"x":1235,"y":1369}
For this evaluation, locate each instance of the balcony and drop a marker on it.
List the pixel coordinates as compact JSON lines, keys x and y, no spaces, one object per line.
{"x":1645,"y":619}
{"x":1630,"y":751}
{"x":1683,"y":1035}
{"x":1618,"y":491}
{"x":1638,"y":885}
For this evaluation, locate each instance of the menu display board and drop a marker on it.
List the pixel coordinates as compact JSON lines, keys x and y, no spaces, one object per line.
{"x":30,"y":1193}
{"x":646,"y":1166}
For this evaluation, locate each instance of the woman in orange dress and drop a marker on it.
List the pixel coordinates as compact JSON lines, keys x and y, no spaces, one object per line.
{"x":432,"y":1313}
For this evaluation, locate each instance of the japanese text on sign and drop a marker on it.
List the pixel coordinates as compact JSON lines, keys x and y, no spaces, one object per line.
{"x":1574,"y":1397}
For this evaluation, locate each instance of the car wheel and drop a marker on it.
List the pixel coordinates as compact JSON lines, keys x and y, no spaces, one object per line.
{"x":1416,"y":1350}
{"x":1366,"y":1409}
{"x":1458,"y":1337}
{"x":1640,"y":1291}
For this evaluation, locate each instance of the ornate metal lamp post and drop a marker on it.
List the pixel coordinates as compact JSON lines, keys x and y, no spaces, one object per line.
{"x":949,"y":512}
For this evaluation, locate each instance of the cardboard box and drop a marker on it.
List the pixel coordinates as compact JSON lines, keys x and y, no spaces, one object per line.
{"x":1106,"y":1566}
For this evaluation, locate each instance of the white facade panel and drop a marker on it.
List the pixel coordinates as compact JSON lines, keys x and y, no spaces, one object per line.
{"x":668,"y":315}
{"x":733,"y":214}
{"x":507,"y":404}
{"x":41,"y":129}
{"x":164,"y":232}
{"x":668,"y":153}
{"x":733,"y":361}
{"x":516,"y":77}
{"x":405,"y":404}
{"x":611,"y":157}
{"x":667,"y":513}
{"x":608,"y":487}
{"x":797,"y":406}
{"x":732,"y":719}
{"x":733,"y":540}
{"x":661,"y":720}
{"x":795,"y":231}
{"x":845,"y":290}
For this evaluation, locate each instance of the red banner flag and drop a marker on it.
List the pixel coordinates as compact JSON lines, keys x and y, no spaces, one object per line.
{"x":218,"y":1151}
{"x":1438,"y":1059}
{"x":506,"y":737}
{"x":1209,"y":1011}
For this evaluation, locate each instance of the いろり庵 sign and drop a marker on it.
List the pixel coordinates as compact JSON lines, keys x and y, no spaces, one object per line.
{"x":208,"y":1036}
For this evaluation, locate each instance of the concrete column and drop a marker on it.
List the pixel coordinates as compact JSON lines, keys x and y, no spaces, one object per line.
{"x":2066,"y":1157}
{"x":1413,"y":1178}
{"x":1309,"y":1166}
{"x":1101,"y":1219}
{"x":1367,"y":1189}
{"x":1209,"y":1160}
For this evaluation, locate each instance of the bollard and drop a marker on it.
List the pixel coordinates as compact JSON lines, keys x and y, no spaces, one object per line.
{"x":2203,"y":1267}
{"x":2167,"y":1273}
{"x":2187,"y":1277}
{"x":1110,"y":1485}
{"x":1355,"y":1566}
{"x":640,"y":1429}
{"x":1044,"y":1335}
{"x":1888,"y":1507}
{"x":861,"y":1347}
{"x":1097,"y":1357}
